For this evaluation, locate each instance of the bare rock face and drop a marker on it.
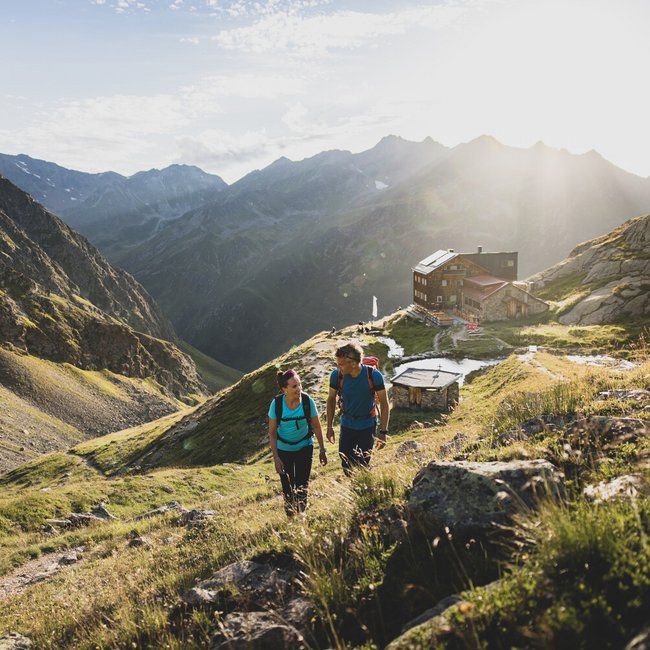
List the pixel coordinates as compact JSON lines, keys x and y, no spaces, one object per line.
{"x":612,"y":272}
{"x":470,"y":499}
{"x":61,"y":300}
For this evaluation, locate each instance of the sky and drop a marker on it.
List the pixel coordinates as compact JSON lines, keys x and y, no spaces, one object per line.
{"x":232,"y":85}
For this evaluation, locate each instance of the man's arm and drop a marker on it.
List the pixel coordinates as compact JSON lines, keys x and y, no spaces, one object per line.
{"x":384,"y":412}
{"x":330,"y":411}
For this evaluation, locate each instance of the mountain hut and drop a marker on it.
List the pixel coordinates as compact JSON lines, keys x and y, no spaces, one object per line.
{"x":421,"y":388}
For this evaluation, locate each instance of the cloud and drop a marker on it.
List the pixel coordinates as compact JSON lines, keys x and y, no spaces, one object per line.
{"x":317,"y":35}
{"x":110,"y":132}
{"x":245,"y":86}
{"x":257,"y":8}
{"x":214,"y":146}
{"x":122,"y":6}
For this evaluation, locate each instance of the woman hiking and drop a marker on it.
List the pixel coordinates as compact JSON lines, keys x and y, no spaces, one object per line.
{"x":293,"y":422}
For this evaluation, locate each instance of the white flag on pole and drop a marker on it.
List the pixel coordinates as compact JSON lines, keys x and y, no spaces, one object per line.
{"x":374,"y":306}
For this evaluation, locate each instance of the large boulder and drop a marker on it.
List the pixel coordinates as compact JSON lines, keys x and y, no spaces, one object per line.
{"x":469,"y":498}
{"x":15,"y":641}
{"x":256,"y":631}
{"x":628,"y":486}
{"x":246,"y":582}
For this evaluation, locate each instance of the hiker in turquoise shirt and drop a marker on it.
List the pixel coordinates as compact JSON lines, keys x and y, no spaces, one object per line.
{"x":356,"y":385}
{"x":293,"y":422}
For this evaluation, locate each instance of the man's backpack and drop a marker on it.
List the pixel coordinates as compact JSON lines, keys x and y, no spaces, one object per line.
{"x":306,"y":409}
{"x":368,"y":364}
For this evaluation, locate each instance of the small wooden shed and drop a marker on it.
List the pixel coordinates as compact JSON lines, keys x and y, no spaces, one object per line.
{"x":420,"y":388}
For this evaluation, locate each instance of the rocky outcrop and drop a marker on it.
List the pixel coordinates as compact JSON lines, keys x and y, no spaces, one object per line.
{"x":256,"y":631}
{"x":15,"y":641}
{"x":265,"y":608}
{"x":610,"y":274}
{"x":471,"y":499}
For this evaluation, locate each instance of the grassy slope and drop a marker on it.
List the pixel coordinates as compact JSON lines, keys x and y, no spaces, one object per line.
{"x":47,"y":406}
{"x":216,"y":375}
{"x":135,"y":590}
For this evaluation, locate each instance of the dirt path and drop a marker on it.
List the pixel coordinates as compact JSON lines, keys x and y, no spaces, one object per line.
{"x":38,"y":570}
{"x":529,"y":359}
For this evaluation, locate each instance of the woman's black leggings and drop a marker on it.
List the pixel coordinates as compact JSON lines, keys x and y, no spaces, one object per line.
{"x":297,"y":468}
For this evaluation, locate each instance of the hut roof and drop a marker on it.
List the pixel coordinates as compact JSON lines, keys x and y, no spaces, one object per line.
{"x":425,"y":378}
{"x":434,"y":261}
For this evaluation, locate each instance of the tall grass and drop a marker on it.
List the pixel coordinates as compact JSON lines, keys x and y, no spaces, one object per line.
{"x":576,"y":395}
{"x":345,"y":555}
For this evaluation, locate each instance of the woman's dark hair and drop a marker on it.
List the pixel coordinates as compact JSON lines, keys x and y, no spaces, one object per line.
{"x":284,"y":377}
{"x":352,"y":351}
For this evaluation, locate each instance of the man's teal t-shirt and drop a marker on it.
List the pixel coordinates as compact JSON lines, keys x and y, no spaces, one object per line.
{"x":358,"y":399}
{"x":288,"y":430}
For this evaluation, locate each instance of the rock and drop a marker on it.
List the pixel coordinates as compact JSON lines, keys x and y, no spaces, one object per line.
{"x":172,"y":506}
{"x":15,"y":641}
{"x":626,"y":395}
{"x":438,"y":609}
{"x":471,"y":498}
{"x":71,"y":558}
{"x":101,"y":512}
{"x":530,"y":428}
{"x":299,"y":612}
{"x":409,"y":446}
{"x":79,"y":519}
{"x":607,"y":432}
{"x":256,"y":631}
{"x":247,"y":581}
{"x":454,"y":445}
{"x":140,"y":540}
{"x":627,"y":486}
{"x":194,"y":517}
{"x":393,"y":523}
{"x":59,"y":523}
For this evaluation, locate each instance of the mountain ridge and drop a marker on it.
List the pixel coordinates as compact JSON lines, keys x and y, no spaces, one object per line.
{"x":72,"y":325}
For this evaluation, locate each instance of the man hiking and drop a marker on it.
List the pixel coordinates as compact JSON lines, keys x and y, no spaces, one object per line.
{"x":356,"y":386}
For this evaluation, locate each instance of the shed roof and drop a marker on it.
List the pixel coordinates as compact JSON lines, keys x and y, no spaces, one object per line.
{"x":434,"y":261}
{"x":425,"y":378}
{"x":486,"y":280}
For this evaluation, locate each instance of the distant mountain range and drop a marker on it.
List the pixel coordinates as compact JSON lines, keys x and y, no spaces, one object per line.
{"x":254,"y":267}
{"x":115,"y":212}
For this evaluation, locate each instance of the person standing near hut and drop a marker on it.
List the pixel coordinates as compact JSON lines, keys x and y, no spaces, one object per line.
{"x":356,"y":385}
{"x":293,"y":422}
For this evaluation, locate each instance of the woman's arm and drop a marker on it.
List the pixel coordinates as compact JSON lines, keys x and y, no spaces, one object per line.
{"x":273,"y":444}
{"x":318,"y":431}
